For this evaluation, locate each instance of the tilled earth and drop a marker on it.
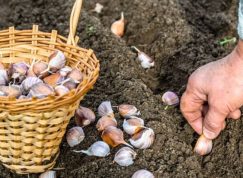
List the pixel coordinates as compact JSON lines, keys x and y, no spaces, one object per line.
{"x":180,"y":35}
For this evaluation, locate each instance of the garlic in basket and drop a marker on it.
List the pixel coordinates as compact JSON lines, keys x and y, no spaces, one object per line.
{"x":133,"y":125}
{"x":39,"y":67}
{"x":105,"y":108}
{"x":65,"y":71}
{"x":18,"y":71}
{"x":29,"y":82}
{"x":3,"y":77}
{"x":125,"y":156}
{"x":69,"y":83}
{"x":84,"y":116}
{"x":127,"y":110}
{"x":53,"y":79}
{"x":48,"y":174}
{"x":99,"y":149}
{"x":41,"y":90}
{"x":105,"y":121}
{"x":75,"y":75}
{"x":142,"y":173}
{"x":11,"y":91}
{"x":75,"y":136}
{"x":61,"y":90}
{"x":146,"y":61}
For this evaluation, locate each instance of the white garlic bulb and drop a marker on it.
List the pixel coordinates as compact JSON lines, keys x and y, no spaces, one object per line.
{"x":127,"y":110}
{"x":133,"y":125}
{"x":105,"y":108}
{"x":61,"y":90}
{"x":75,"y":136}
{"x":146,"y":61}
{"x":125,"y":156}
{"x":99,"y":149}
{"x":48,"y":174}
{"x":203,"y":146}
{"x":142,"y":174}
{"x":143,"y":139}
{"x":57,"y":61}
{"x":3,"y":77}
{"x":29,"y":82}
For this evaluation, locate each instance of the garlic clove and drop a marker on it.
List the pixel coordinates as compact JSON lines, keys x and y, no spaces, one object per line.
{"x":98,"y":8}
{"x":53,"y":79}
{"x":118,"y":27}
{"x":105,"y":108}
{"x":170,"y":98}
{"x":57,"y":61}
{"x":99,"y":149}
{"x":41,"y":90}
{"x":84,"y":116}
{"x":133,"y":125}
{"x":48,"y":174}
{"x":125,"y":156}
{"x":40,"y":69}
{"x":65,"y":71}
{"x":61,"y":90}
{"x":113,"y":136}
{"x":29,"y":82}
{"x":142,"y":174}
{"x":75,"y":136}
{"x":75,"y":75}
{"x":18,"y":70}
{"x":11,"y":91}
{"x":203,"y":146}
{"x":1,"y":66}
{"x":127,"y":110}
{"x":3,"y":77}
{"x":106,"y":121}
{"x":143,"y":139}
{"x":70,"y":84}
{"x":146,"y":61}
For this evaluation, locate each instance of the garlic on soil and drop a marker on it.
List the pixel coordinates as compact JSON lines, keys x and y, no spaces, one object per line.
{"x":75,"y":136}
{"x":84,"y":116}
{"x":143,"y":139}
{"x":133,"y":125}
{"x":105,"y":108}
{"x":3,"y":77}
{"x":127,"y":110}
{"x":146,"y":61}
{"x":11,"y":91}
{"x":61,"y":90}
{"x":29,"y":82}
{"x":53,"y":79}
{"x":98,"y":8}
{"x":65,"y":71}
{"x":75,"y":75}
{"x":142,"y":173}
{"x":105,"y":121}
{"x":203,"y":145}
{"x":41,"y":90}
{"x":113,"y":136}
{"x":170,"y":98}
{"x":99,"y":149}
{"x":48,"y":174}
{"x":118,"y":26}
{"x":125,"y":156}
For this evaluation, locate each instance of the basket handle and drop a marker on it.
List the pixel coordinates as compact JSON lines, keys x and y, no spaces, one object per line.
{"x":74,"y":17}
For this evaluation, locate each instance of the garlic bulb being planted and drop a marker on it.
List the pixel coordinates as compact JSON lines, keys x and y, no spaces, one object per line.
{"x":41,"y":90}
{"x":118,"y":27}
{"x":133,"y":125}
{"x":113,"y":136}
{"x":170,"y":98}
{"x":125,"y":156}
{"x":203,"y":145}
{"x":127,"y":110}
{"x":142,"y":174}
{"x":105,"y":121}
{"x":105,"y":108}
{"x":84,"y":116}
{"x":143,"y":139}
{"x":29,"y":82}
{"x":48,"y":174}
{"x":146,"y":61}
{"x":99,"y":149}
{"x":75,"y":136}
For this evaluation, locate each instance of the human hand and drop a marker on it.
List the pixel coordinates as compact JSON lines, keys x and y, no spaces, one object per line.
{"x":218,"y":84}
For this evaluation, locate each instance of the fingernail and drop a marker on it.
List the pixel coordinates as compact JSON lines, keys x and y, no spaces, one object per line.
{"x":209,"y":134}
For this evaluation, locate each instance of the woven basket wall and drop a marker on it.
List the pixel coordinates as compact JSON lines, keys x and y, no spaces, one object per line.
{"x":31,"y":130}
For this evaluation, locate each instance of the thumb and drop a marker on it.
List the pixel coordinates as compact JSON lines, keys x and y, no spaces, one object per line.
{"x":213,"y":122}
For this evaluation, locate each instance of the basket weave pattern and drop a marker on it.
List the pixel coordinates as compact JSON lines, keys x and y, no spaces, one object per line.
{"x":31,"y":130}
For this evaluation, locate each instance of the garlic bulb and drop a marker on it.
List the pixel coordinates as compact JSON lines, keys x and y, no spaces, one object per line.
{"x":146,"y":61}
{"x":125,"y":156}
{"x":75,"y":75}
{"x":113,"y":136}
{"x":170,"y":98}
{"x":118,"y":26}
{"x":53,"y":79}
{"x":61,"y":90}
{"x":29,"y":82}
{"x":75,"y":136}
{"x":143,"y":139}
{"x":48,"y":174}
{"x":65,"y":71}
{"x":142,"y":174}
{"x":203,"y":146}
{"x":3,"y":77}
{"x":127,"y":110}
{"x":41,"y":90}
{"x":133,"y":125}
{"x":99,"y":149}
{"x":84,"y":116}
{"x":57,"y":61}
{"x":106,"y":121}
{"x":105,"y":108}
{"x":40,"y":69}
{"x":11,"y":91}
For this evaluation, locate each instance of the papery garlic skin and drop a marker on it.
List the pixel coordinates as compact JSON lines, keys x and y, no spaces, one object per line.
{"x":48,"y":174}
{"x":142,"y":174}
{"x":105,"y":108}
{"x":118,"y":27}
{"x":170,"y":98}
{"x":99,"y":149}
{"x":29,"y":82}
{"x":105,"y":121}
{"x":75,"y":136}
{"x":84,"y":116}
{"x":61,"y":90}
{"x":57,"y":61}
{"x":203,"y":146}
{"x":125,"y":156}
{"x":3,"y":77}
{"x":143,"y":139}
{"x":127,"y":110}
{"x":133,"y":125}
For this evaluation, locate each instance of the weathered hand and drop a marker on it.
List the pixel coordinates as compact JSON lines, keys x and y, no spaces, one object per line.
{"x":218,"y":84}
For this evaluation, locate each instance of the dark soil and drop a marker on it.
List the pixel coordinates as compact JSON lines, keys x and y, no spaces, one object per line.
{"x":180,"y":35}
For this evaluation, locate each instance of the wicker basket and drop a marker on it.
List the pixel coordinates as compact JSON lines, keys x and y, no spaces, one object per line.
{"x":31,"y":130}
